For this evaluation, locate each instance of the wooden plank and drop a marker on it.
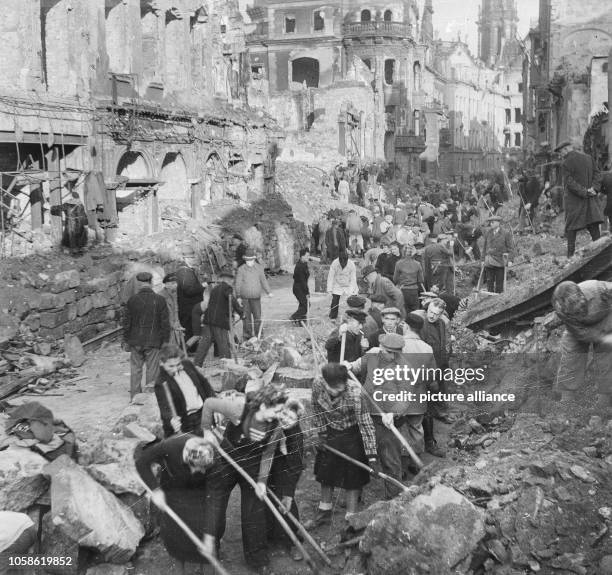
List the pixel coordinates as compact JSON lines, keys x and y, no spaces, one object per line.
{"x":526,"y":303}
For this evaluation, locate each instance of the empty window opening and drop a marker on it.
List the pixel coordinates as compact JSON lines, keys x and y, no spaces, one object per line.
{"x":366,"y":16}
{"x":389,"y":71}
{"x":305,"y":70}
{"x":388,"y":16}
{"x":289,"y":24}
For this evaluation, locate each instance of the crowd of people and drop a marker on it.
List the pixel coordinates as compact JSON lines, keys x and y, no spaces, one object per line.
{"x":406,"y":252}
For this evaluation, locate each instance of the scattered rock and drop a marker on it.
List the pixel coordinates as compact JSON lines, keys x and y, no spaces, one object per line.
{"x":117,"y":477}
{"x":83,"y":512}
{"x":21,"y":478}
{"x":582,"y":474}
{"x":135,"y":431}
{"x":74,"y":350}
{"x":437,"y":530}
{"x":291,"y":357}
{"x":605,"y":565}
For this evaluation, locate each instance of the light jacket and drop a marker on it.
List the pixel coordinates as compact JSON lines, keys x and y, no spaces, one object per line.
{"x":251,"y":282}
{"x":342,"y":281}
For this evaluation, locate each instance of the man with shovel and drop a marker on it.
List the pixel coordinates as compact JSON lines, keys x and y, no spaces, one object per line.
{"x":498,"y":254}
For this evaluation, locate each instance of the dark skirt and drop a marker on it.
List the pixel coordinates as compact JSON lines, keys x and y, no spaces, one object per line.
{"x":334,"y":471}
{"x":188,"y":504}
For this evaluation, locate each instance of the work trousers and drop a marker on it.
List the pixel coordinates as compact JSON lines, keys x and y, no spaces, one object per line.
{"x":212,"y":334}
{"x":574,"y":362}
{"x":593,"y":229}
{"x":221,"y":480}
{"x":335,"y":306}
{"x":411,"y":299}
{"x":494,"y":276}
{"x":252,"y":317}
{"x":524,"y":220}
{"x":302,"y":310}
{"x":147,"y":357}
{"x":390,"y":450}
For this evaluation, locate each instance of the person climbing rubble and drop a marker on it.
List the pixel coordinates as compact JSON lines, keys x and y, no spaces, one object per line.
{"x":586,"y":311}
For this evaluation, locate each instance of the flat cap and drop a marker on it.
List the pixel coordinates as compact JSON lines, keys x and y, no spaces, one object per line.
{"x":378,"y":299}
{"x":356,"y":301}
{"x":144,"y":277}
{"x":562,"y":145}
{"x":367,"y":271}
{"x":392,"y":342}
{"x":391,"y":311}
{"x":249,"y":254}
{"x":495,"y":219}
{"x":357,"y":314}
{"x":414,"y":320}
{"x":226,"y":273}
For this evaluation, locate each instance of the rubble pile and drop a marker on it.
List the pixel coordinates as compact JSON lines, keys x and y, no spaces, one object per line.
{"x":278,"y":234}
{"x":535,"y":501}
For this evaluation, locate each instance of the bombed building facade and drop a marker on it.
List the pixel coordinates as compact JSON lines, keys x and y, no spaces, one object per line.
{"x":370,"y":82}
{"x":152,"y":94}
{"x":566,"y":71}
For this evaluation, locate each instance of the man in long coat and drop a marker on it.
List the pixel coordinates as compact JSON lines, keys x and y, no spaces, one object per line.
{"x":582,"y":207}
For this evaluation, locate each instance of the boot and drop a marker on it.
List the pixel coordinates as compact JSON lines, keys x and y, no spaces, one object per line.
{"x":431,"y":445}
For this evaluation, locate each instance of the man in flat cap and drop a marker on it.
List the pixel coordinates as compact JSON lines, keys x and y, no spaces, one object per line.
{"x":498,"y":253}
{"x":381,"y":286}
{"x":392,"y":320}
{"x":372,"y":322}
{"x":351,"y":331}
{"x":435,"y":333}
{"x":146,"y":327}
{"x":582,"y":183}
{"x":386,"y":381}
{"x":438,"y":263}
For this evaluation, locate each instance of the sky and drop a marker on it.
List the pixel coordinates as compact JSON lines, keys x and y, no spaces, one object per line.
{"x":460,"y":16}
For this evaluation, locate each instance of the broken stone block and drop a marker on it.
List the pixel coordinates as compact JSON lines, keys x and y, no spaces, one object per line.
{"x":54,"y":543}
{"x":85,"y":513}
{"x":42,"y":348}
{"x":235,"y":375}
{"x":99,"y":300}
{"x":291,"y":357}
{"x":99,"y":284}
{"x":33,"y":321}
{"x":436,"y":530}
{"x":137,"y":432}
{"x":117,"y":477}
{"x":84,"y":305}
{"x":9,"y":327}
{"x":74,"y":350}
{"x":54,"y":318}
{"x":21,"y":478}
{"x":65,"y":280}
{"x":293,"y":377}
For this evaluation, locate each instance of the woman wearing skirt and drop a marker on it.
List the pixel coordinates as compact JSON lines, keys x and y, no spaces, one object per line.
{"x":343,"y":422}
{"x":184,"y":460}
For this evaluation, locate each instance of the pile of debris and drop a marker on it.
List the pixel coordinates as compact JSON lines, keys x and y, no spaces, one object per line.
{"x":535,"y":501}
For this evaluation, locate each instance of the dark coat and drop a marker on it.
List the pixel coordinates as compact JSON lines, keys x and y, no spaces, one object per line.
{"x":581,"y":173}
{"x":301,"y":274}
{"x":606,"y":190}
{"x":217,"y":313}
{"x":189,"y":291}
{"x":352,"y":349}
{"x":146,"y":320}
{"x":178,"y":399}
{"x":75,"y":224}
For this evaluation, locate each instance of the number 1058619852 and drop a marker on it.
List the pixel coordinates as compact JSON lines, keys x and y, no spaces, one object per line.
{"x":28,"y":561}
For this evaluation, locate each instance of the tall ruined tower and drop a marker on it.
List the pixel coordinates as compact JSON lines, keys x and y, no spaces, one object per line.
{"x":427,"y":31}
{"x":497,"y":24}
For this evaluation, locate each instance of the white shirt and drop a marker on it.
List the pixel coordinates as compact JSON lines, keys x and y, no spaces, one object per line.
{"x":193,"y":401}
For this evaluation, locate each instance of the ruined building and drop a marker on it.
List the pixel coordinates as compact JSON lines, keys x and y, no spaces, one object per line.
{"x":566,"y":71}
{"x":149,"y":93}
{"x":367,"y":81}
